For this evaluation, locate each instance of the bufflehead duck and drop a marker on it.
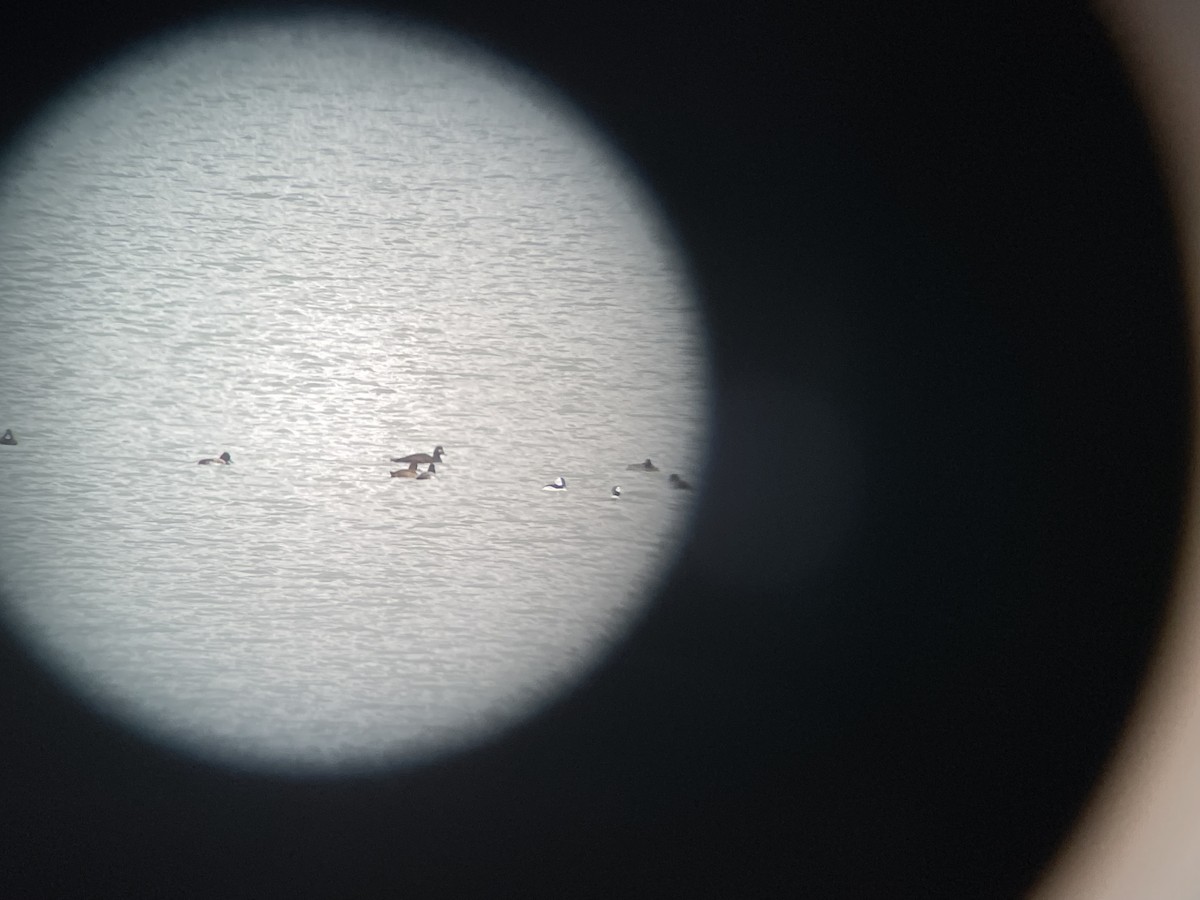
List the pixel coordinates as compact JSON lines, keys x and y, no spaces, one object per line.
{"x":616,"y":491}
{"x":222,"y":460}
{"x":410,"y":472}
{"x":428,"y":473}
{"x":422,"y":457}
{"x":559,"y":484}
{"x":8,"y":438}
{"x":677,"y":482}
{"x":646,"y":466}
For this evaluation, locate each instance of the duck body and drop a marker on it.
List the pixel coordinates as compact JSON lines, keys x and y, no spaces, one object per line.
{"x":410,"y":472}
{"x":7,"y":438}
{"x":679,"y":484}
{"x":558,"y":484}
{"x":646,"y":466}
{"x":223,"y":460}
{"x":435,"y":457}
{"x":616,"y":492}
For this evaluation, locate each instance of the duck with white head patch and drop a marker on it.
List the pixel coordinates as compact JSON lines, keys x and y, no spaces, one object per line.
{"x":559,"y":484}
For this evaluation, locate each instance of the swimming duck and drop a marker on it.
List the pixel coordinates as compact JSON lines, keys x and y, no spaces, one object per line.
{"x":616,"y":491}
{"x":222,"y":460}
{"x":410,"y":472}
{"x":428,"y":473}
{"x":679,"y":483}
{"x":646,"y":466}
{"x":8,"y":438}
{"x":422,"y":457}
{"x":559,"y":484}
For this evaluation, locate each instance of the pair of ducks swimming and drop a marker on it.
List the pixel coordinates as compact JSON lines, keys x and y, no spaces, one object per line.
{"x":414,"y":459}
{"x":647,"y":466}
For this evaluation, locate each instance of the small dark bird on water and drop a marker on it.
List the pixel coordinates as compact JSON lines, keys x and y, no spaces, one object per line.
{"x":422,"y":457}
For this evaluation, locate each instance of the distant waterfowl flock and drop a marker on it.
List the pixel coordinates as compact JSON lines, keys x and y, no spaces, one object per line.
{"x":560,"y":483}
{"x":415,"y":460}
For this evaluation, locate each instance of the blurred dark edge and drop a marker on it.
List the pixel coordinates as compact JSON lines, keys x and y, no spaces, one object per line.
{"x":942,"y":221}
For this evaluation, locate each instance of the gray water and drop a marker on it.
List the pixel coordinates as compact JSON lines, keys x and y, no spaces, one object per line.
{"x":317,"y":245}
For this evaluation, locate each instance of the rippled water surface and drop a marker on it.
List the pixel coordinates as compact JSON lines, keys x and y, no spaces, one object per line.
{"x":317,"y":246}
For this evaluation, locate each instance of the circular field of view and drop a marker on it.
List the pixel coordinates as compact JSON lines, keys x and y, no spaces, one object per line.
{"x":319,"y":245}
